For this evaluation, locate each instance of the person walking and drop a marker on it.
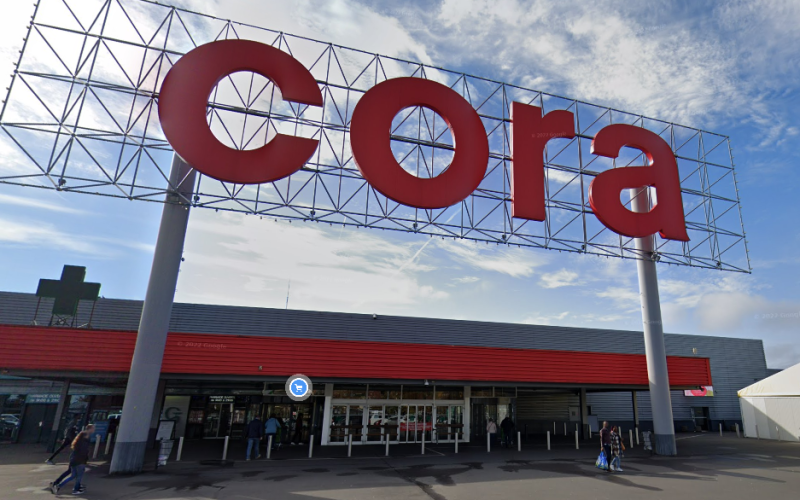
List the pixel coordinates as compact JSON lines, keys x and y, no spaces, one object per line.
{"x":605,"y":443}
{"x":255,"y":429}
{"x":491,"y":429}
{"x":271,"y":429}
{"x":508,"y":431}
{"x":617,"y":447}
{"x":77,"y":463}
{"x":69,"y":436}
{"x":298,"y":430}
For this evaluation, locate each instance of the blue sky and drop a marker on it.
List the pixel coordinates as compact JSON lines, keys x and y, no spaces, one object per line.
{"x":731,"y":68}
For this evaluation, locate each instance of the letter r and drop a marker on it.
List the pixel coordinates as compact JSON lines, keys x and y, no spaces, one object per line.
{"x":530,"y":132}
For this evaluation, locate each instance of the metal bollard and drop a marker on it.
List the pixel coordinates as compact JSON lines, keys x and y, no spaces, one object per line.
{"x":96,"y":446}
{"x":637,"y":436}
{"x":269,"y":446}
{"x":554,"y":428}
{"x":180,"y":449}
{"x":350,"y":445}
{"x":737,"y":430}
{"x":109,"y":438}
{"x":590,"y":431}
{"x":548,"y":440}
{"x":488,"y":443}
{"x":423,"y":442}
{"x":630,"y":432}
{"x":519,"y":442}
{"x":565,"y":428}
{"x":757,"y":436}
{"x":576,"y":441}
{"x":720,"y":430}
{"x":456,"y":442}
{"x":225,"y":449}
{"x":387,"y":446}
{"x":311,"y":446}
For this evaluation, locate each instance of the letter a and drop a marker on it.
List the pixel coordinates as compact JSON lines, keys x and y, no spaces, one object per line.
{"x":666,"y":216}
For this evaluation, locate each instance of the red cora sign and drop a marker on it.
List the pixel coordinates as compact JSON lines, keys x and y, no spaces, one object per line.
{"x":182,"y":111}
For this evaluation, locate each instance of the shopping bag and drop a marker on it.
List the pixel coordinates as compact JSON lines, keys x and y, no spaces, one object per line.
{"x":601,"y":462}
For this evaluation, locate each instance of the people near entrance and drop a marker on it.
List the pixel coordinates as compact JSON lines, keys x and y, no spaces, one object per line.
{"x":298,"y":430}
{"x":491,"y":429}
{"x":617,"y":447}
{"x":272,"y":428}
{"x":605,"y":443}
{"x":507,"y":425}
{"x":69,"y":436}
{"x":77,"y":463}
{"x":255,"y":429}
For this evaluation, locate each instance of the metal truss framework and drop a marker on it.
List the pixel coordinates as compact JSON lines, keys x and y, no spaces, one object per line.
{"x":81,"y":116}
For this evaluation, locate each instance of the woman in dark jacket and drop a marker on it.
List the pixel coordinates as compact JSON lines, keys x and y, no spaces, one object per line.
{"x":77,"y":463}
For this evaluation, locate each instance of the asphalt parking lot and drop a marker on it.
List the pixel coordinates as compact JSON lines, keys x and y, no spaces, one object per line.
{"x":708,"y":467}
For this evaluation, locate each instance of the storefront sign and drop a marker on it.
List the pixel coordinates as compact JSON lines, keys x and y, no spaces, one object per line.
{"x":704,"y":391}
{"x":33,"y":399}
{"x":184,"y":99}
{"x":221,"y":399}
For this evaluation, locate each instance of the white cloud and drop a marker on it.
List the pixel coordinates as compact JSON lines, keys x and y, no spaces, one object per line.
{"x":559,"y":279}
{"x":30,"y":202}
{"x":243,"y":260}
{"x":514,"y":262}
{"x":466,"y":280}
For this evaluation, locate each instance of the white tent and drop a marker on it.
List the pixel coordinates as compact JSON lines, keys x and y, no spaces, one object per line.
{"x":771,"y":407}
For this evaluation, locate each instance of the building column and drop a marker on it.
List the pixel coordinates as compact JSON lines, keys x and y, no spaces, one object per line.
{"x":63,"y":406}
{"x":157,"y":407}
{"x":151,"y":339}
{"x":467,"y":413}
{"x":584,"y":415}
{"x":326,"y":415}
{"x":653,"y":328}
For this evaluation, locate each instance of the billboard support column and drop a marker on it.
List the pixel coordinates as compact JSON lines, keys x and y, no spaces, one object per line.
{"x":142,"y":388}
{"x":663,"y":426}
{"x":63,"y":406}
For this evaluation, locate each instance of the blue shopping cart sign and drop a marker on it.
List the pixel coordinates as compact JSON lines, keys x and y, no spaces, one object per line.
{"x":298,"y":387}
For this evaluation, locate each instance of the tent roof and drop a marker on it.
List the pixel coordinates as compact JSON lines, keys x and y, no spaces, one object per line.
{"x":785,"y":383}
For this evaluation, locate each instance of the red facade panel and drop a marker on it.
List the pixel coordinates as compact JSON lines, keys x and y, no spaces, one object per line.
{"x":61,"y":349}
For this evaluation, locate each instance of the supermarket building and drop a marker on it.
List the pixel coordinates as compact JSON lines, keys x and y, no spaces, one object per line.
{"x":374,"y":375}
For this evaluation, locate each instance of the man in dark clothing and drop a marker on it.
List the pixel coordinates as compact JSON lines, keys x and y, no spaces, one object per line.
{"x":605,"y":443}
{"x":77,"y":463}
{"x":69,"y":435}
{"x":255,"y":429}
{"x":508,"y":431}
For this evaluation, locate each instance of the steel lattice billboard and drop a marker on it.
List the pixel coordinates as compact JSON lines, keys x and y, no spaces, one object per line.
{"x":81,"y":115}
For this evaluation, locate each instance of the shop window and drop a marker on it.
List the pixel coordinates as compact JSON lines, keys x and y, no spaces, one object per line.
{"x":445,"y":393}
{"x":417,"y":392}
{"x":350,"y":391}
{"x":482,"y":392}
{"x":384,"y":391}
{"x":505,"y":392}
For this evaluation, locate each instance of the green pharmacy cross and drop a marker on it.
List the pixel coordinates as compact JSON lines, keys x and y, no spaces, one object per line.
{"x":67,"y":292}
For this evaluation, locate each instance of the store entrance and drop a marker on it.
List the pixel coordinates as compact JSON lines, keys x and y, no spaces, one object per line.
{"x":296,"y":420}
{"x":218,"y":420}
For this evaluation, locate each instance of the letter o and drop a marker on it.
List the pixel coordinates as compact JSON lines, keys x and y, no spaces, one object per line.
{"x":370,"y":139}
{"x":183,"y":101}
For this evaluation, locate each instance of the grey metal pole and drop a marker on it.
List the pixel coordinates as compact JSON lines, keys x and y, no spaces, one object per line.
{"x":63,"y":405}
{"x":148,"y":354}
{"x":656,"y":354}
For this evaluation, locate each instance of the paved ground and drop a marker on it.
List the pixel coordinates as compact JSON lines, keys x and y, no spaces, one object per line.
{"x":709,"y":467}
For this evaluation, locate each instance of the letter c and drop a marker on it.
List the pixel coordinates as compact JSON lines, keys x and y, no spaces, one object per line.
{"x":183,"y":101}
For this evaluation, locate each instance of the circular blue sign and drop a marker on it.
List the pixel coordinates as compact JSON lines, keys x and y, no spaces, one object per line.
{"x":298,"y":387}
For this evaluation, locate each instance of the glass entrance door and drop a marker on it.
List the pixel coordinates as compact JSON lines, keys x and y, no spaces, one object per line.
{"x":416,"y":421}
{"x":218,"y":420}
